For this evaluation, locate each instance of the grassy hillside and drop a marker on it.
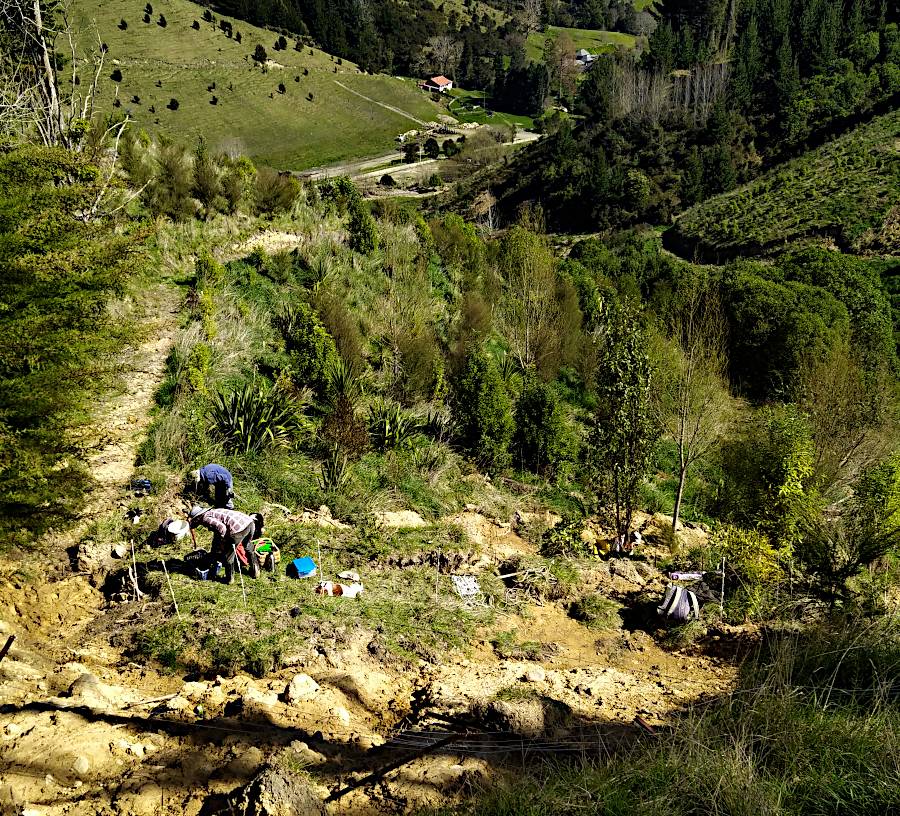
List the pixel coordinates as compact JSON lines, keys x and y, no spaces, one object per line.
{"x":594,"y":40}
{"x":287,"y":130}
{"x":847,"y":190}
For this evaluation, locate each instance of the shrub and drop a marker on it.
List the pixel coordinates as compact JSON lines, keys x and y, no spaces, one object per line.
{"x":342,"y":426}
{"x":769,"y":474}
{"x":252,"y":419}
{"x":340,"y":322}
{"x":834,"y":549}
{"x":146,"y":18}
{"x":169,"y":192}
{"x":596,"y":612}
{"x":311,"y":348}
{"x":162,"y":22}
{"x":207,"y":270}
{"x":197,"y":366}
{"x":421,"y":365}
{"x":174,"y":104}
{"x":195,"y":25}
{"x":259,"y":54}
{"x":281,"y":88}
{"x":116,"y":75}
{"x":483,"y":412}
{"x":564,"y":539}
{"x":390,"y":427}
{"x":754,"y":569}
{"x":387,"y":180}
{"x":543,"y":440}
{"x":363,"y":232}
{"x":275,"y":192}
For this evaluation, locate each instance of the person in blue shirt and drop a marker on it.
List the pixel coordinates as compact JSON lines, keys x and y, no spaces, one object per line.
{"x":214,"y":481}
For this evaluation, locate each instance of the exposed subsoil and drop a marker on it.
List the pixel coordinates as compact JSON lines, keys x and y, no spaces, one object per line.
{"x":86,"y":731}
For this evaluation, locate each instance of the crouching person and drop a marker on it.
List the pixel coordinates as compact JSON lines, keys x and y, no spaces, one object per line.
{"x":232,"y":532}
{"x":214,"y":482}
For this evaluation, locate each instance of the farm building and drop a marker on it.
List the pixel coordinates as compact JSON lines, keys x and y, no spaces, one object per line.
{"x":439,"y":83}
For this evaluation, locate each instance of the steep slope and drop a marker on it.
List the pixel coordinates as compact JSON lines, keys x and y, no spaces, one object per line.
{"x":847,"y":191}
{"x":328,"y":111}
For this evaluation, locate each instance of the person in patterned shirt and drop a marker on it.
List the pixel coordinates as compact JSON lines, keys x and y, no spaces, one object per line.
{"x":232,"y":532}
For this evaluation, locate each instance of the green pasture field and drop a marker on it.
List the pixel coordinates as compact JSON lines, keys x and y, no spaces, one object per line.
{"x":594,"y":40}
{"x":460,"y":97}
{"x":844,"y":190}
{"x":289,"y":130}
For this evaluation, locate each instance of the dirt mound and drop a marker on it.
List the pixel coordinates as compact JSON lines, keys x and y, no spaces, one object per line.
{"x":490,"y":534}
{"x":275,"y":793}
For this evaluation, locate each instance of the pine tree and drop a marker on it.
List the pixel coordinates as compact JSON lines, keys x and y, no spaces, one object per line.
{"x":692,"y":178}
{"x":829,"y":34}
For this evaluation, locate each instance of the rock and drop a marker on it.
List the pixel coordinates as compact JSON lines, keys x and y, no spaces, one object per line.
{"x":341,"y":715}
{"x":247,"y":762}
{"x":306,"y":755}
{"x":646,"y":571}
{"x":301,"y":687}
{"x":88,"y":691}
{"x":276,"y":793}
{"x":119,"y":551}
{"x":93,"y":557}
{"x":18,"y":671}
{"x":81,"y":766}
{"x":625,"y":568}
{"x":370,"y":688}
{"x":14,"y":730}
{"x":539,"y":716}
{"x":535,"y":675}
{"x":194,"y":690}
{"x":400,"y":519}
{"x":261,"y":699}
{"x":177,"y":703}
{"x":638,"y":641}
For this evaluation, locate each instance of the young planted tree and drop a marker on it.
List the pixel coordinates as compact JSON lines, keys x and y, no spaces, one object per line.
{"x":691,"y":396}
{"x":624,"y":430}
